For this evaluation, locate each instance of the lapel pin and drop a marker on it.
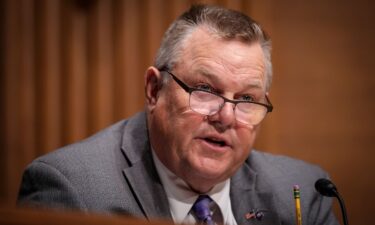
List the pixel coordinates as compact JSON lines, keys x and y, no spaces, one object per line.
{"x":254,"y":214}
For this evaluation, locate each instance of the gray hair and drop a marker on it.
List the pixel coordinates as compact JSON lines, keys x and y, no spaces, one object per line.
{"x":225,"y":23}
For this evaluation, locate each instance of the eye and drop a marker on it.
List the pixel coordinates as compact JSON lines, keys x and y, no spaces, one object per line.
{"x":248,"y":98}
{"x":204,"y":87}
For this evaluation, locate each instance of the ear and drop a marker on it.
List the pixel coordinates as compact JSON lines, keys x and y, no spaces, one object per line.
{"x":153,"y":84}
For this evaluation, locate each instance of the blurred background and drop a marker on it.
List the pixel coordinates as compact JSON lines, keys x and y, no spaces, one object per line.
{"x":72,"y":67}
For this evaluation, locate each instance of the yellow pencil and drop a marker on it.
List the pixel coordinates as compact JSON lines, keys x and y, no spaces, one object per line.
{"x":298,"y":204}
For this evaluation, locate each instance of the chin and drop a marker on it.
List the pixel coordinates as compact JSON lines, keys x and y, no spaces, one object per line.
{"x":210,"y":170}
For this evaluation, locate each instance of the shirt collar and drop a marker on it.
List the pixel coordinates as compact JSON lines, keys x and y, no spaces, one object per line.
{"x":181,"y":198}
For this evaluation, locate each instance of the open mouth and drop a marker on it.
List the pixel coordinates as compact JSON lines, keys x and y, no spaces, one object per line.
{"x":216,"y":142}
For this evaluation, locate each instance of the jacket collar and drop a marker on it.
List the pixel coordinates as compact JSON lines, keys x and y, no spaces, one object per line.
{"x":141,"y":173}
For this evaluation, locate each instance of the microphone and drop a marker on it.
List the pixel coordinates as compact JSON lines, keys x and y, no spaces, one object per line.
{"x":326,"y":188}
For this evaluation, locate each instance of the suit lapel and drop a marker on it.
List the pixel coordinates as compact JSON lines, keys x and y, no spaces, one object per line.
{"x":148,"y":189}
{"x":141,"y":174}
{"x":249,"y":205}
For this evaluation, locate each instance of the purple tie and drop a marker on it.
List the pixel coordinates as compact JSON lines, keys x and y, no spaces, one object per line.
{"x":202,"y":211}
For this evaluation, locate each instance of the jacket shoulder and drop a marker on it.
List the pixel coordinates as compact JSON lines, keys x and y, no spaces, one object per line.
{"x":281,"y":165}
{"x":75,"y":175}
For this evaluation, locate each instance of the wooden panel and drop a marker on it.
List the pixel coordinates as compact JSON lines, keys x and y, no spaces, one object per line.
{"x":27,"y":85}
{"x":51,"y":76}
{"x":129,"y":52}
{"x":75,"y":61}
{"x":322,"y":91}
{"x":11,"y":97}
{"x":3,"y":143}
{"x":100,"y":39}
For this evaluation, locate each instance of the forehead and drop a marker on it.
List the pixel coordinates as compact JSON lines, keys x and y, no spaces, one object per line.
{"x":205,"y":53}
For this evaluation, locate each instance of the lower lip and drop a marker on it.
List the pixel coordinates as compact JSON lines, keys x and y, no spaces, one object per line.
{"x":213,"y":147}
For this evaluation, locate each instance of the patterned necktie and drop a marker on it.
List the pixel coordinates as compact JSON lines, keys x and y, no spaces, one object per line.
{"x":203,"y":210}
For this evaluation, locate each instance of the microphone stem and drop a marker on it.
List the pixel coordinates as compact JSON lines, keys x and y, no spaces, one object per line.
{"x":343,"y":209}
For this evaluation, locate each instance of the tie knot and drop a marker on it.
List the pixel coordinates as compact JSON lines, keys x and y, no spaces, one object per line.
{"x":202,"y":209}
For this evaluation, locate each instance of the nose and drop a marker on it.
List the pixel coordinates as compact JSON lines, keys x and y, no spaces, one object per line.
{"x":225,"y":117}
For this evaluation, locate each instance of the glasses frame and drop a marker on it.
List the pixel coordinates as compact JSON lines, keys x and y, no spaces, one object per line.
{"x":189,"y":90}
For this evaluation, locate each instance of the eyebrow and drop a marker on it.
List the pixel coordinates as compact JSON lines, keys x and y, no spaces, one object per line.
{"x":251,"y":85}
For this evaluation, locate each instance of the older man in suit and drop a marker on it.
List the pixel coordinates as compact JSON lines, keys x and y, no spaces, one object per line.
{"x":188,"y":157}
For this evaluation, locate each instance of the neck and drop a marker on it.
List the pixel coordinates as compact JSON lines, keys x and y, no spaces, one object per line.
{"x":201,"y":188}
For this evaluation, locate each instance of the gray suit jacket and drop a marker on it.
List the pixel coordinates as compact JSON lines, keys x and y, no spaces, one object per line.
{"x":113,"y":172}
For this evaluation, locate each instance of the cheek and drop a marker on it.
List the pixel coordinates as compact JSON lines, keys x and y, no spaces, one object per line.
{"x":184,"y":128}
{"x":175,"y":122}
{"x":246,"y":138}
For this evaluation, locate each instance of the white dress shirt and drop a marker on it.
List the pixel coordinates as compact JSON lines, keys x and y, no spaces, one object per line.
{"x":181,"y":198}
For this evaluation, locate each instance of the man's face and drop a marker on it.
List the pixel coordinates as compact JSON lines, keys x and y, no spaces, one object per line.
{"x":205,"y":150}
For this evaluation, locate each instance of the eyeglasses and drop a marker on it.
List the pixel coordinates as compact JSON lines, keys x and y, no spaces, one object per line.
{"x":208,"y":103}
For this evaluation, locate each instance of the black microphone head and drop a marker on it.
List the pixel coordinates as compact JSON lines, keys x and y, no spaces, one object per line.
{"x":326,"y":187}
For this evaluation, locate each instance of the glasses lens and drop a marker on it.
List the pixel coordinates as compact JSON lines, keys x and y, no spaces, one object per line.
{"x":208,"y":104}
{"x":250,"y":113}
{"x":205,"y":103}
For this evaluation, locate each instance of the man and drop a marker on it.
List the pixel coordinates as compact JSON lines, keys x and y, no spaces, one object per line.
{"x":191,"y":150}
